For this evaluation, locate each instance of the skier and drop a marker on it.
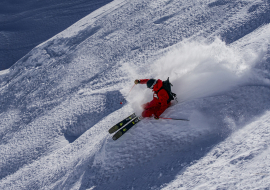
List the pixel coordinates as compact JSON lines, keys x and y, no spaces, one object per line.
{"x":161,"y":100}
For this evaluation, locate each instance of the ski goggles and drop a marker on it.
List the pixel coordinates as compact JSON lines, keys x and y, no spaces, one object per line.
{"x":153,"y":84}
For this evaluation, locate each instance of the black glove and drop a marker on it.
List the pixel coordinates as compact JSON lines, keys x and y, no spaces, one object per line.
{"x":156,"y":117}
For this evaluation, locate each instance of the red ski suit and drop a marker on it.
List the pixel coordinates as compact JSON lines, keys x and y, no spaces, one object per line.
{"x":160,"y":100}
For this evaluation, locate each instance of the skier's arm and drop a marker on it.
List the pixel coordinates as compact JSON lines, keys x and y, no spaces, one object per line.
{"x":141,"y":81}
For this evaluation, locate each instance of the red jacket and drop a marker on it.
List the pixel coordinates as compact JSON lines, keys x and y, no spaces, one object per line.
{"x":160,"y":100}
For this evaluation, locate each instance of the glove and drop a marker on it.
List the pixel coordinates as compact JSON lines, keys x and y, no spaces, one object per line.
{"x":137,"y":81}
{"x":156,"y":117}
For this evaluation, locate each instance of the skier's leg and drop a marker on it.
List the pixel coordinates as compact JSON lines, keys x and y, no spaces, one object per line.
{"x":147,"y":113}
{"x":150,"y":111}
{"x":161,"y":109}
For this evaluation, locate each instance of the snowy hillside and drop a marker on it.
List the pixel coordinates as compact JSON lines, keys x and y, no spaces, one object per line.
{"x":59,"y":100}
{"x":25,"y":24}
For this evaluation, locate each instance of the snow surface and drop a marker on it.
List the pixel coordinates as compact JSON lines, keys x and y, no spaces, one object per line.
{"x":3,"y":72}
{"x":59,"y":100}
{"x":25,"y":24}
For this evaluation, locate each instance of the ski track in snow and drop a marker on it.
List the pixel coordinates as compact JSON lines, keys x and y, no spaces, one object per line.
{"x":59,"y":100}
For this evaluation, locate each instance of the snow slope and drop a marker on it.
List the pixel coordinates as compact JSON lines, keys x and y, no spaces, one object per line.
{"x":25,"y":24}
{"x":59,"y":100}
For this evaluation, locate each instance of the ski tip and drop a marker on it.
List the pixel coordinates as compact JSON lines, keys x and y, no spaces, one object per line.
{"x":117,"y":135}
{"x":113,"y":129}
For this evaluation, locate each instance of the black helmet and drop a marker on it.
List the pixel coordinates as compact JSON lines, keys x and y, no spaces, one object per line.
{"x":150,"y":84}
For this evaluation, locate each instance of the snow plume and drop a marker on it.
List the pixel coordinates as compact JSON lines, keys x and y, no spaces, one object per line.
{"x":199,"y":69}
{"x":139,"y":96}
{"x":196,"y":69}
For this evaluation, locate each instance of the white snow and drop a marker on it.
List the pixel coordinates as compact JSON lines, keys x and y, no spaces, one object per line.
{"x":3,"y":72}
{"x":87,"y":21}
{"x":240,"y":162}
{"x":59,"y":100}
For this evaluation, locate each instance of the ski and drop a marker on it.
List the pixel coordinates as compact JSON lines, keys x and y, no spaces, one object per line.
{"x":126,"y":128}
{"x":121,"y":123}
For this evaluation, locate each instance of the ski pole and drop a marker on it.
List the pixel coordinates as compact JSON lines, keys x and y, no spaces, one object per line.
{"x":174,"y":119}
{"x":127,"y":93}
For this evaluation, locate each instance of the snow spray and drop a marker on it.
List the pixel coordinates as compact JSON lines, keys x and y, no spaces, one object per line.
{"x":127,"y":93}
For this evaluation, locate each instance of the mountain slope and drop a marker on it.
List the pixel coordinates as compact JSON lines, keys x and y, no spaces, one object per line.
{"x":24,"y":25}
{"x":58,"y":101}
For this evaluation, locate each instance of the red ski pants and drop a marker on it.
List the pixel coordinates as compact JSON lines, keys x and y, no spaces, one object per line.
{"x":153,"y":109}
